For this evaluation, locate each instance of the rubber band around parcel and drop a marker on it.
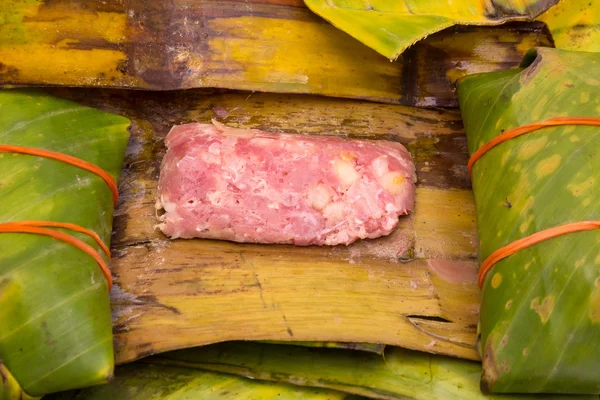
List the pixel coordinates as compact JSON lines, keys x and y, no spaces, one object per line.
{"x":77,"y":162}
{"x":521,"y":130}
{"x":43,"y":227}
{"x":529,"y":241}
{"x":546,"y":234}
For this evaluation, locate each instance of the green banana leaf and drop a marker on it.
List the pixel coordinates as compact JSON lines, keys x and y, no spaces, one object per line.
{"x":391,"y":26}
{"x":574,"y":24}
{"x":55,"y":320}
{"x":153,"y":382}
{"x":398,"y":374}
{"x":540,"y":312}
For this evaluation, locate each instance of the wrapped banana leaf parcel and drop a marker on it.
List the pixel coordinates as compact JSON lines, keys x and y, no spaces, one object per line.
{"x":59,"y":164}
{"x":534,"y":138}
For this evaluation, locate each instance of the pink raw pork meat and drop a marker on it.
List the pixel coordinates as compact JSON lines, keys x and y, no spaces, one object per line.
{"x":252,"y":186}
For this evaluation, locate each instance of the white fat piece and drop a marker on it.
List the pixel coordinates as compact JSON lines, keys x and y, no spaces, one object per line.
{"x":344,"y":169}
{"x":319,"y":197}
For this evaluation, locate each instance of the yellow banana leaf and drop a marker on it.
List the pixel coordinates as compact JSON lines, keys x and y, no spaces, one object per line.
{"x":391,"y":26}
{"x":415,"y":288}
{"x":575,"y":24}
{"x":255,"y":45}
{"x":161,"y":382}
{"x":10,"y":388}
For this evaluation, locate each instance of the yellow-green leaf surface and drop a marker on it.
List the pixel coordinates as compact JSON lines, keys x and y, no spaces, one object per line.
{"x":160,"y":382}
{"x":575,"y":24}
{"x":391,"y":26}
{"x":397,"y":374}
{"x":255,"y":45}
{"x":55,"y":324}
{"x":540,"y":312}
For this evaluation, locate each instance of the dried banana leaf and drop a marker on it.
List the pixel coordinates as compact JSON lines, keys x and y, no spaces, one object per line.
{"x":157,"y":382}
{"x":368,"y":347}
{"x":55,"y":326}
{"x":540,"y":310}
{"x":575,"y":24}
{"x":258,"y":45}
{"x":391,"y":26}
{"x":415,"y":288}
{"x":399,"y":374}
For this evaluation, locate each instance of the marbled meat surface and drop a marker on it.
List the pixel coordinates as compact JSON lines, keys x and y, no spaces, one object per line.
{"x":253,"y":186}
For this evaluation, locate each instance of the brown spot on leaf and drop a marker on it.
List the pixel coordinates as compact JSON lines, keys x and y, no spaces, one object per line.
{"x":490,"y":369}
{"x":151,"y":300}
{"x":504,"y":365}
{"x":8,"y":74}
{"x":543,"y":307}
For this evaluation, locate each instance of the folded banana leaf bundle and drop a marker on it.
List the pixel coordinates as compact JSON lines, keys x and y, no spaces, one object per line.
{"x":536,"y":194}
{"x":55,"y":318}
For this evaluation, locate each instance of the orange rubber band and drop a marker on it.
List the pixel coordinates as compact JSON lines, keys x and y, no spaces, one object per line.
{"x":36,"y":227}
{"x":69,"y":160}
{"x":530,"y":240}
{"x":66,"y":225}
{"x":521,"y":130}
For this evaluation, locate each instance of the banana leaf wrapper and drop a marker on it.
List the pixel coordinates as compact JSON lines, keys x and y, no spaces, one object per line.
{"x":254,"y":45}
{"x":574,"y":24}
{"x":376,"y":348}
{"x":415,"y":288}
{"x":55,"y":319}
{"x":9,"y":387}
{"x":391,"y":26}
{"x":154,"y":382}
{"x":540,"y":311}
{"x":397,"y":374}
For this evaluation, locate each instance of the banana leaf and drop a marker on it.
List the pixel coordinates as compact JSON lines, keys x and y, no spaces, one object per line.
{"x":575,"y":24}
{"x":398,"y":374}
{"x":9,"y":387}
{"x":368,"y":347}
{"x":391,"y":26}
{"x":416,"y":288}
{"x":254,"y":45}
{"x":540,"y":307}
{"x":190,"y":292}
{"x":55,"y":321}
{"x":156,"y":382}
